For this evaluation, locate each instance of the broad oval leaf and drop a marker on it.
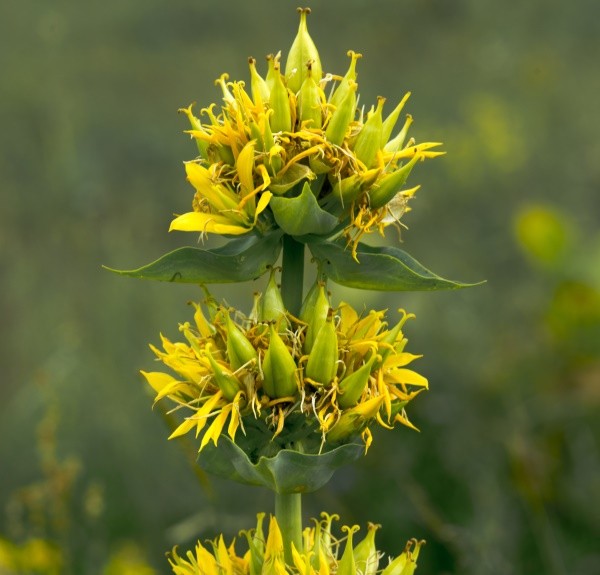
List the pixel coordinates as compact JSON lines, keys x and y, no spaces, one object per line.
{"x":378,"y":268}
{"x":237,"y":261}
{"x":302,"y":215}
{"x":287,"y":472}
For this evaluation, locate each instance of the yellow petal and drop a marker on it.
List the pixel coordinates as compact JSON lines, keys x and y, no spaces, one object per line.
{"x":274,"y":546}
{"x":205,"y":558}
{"x":207,"y":223}
{"x":406,"y":376}
{"x":198,"y":176}
{"x":401,"y":418}
{"x":182,"y":429}
{"x":215,"y":428}
{"x":245,"y":168}
{"x":348,"y":316}
{"x":368,"y":409}
{"x":223,"y":557}
{"x":158,"y":380}
{"x":400,"y":360}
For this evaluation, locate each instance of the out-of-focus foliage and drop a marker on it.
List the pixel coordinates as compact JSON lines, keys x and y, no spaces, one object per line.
{"x":504,"y":474}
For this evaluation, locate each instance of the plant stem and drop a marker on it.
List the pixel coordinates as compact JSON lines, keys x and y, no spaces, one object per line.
{"x":288,"y":512}
{"x":292,"y":274}
{"x":288,"y":506}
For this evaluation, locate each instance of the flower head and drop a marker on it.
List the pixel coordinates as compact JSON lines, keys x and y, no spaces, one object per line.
{"x":321,"y":552}
{"x":295,"y":128}
{"x":320,"y":379}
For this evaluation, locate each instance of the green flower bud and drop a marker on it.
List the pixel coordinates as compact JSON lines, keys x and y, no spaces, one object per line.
{"x":279,"y":368}
{"x":321,"y":366}
{"x":390,"y":338}
{"x":354,"y":419}
{"x":368,"y":141}
{"x":228,"y":383}
{"x":390,"y":185}
{"x":314,"y":314}
{"x":353,"y":385}
{"x":279,"y":102}
{"x":341,"y":118}
{"x":271,"y":305}
{"x":406,"y":563}
{"x":347,"y":565}
{"x":239,"y":350}
{"x":302,"y":51}
{"x":390,"y":121}
{"x":309,"y":101}
{"x":365,"y":553}
{"x":396,"y":144}
{"x":257,"y":136}
{"x":226,"y":155}
{"x":272,"y":70}
{"x":258,"y":85}
{"x":309,"y":301}
{"x":344,"y":86}
{"x":256,"y":546}
{"x":349,"y":189}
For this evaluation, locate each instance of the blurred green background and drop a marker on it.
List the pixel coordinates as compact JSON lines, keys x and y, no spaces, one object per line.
{"x":505,"y":474}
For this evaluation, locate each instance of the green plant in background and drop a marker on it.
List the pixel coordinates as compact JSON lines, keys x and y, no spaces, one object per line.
{"x":284,"y":395}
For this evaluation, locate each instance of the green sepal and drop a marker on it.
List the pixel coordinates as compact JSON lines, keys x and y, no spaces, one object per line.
{"x":287,"y":472}
{"x":238,"y":261}
{"x":302,"y":215}
{"x":380,"y":268}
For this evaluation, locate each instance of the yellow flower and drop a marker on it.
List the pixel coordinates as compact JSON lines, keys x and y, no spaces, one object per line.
{"x":288,"y":132}
{"x":321,"y":553}
{"x":257,"y":375}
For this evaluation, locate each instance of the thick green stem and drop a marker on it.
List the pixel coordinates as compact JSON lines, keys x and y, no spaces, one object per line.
{"x":288,"y":507}
{"x":288,"y":511}
{"x":292,"y":274}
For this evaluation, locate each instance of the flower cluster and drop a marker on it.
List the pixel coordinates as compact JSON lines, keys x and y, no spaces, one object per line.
{"x":321,"y":554}
{"x":317,"y":379}
{"x":293,"y":129}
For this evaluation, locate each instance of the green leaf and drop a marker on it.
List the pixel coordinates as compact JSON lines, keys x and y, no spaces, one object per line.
{"x":237,"y":261}
{"x":287,"y":472}
{"x":302,"y":215}
{"x":292,"y":176}
{"x":380,"y":268}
